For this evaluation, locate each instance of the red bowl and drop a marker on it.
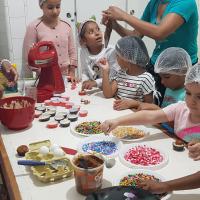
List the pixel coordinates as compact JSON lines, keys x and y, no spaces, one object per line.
{"x":17,"y":118}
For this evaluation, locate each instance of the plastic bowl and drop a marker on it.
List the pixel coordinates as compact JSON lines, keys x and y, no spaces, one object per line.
{"x":17,"y":118}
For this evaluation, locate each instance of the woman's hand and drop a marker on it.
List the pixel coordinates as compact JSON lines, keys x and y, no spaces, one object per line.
{"x":108,"y":125}
{"x":194,"y":150}
{"x":114,"y":13}
{"x":155,"y":187}
{"x":88,"y":85}
{"x":122,"y":104}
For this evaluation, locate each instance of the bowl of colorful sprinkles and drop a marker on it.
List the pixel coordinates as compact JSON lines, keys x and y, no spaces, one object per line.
{"x":87,"y":128}
{"x":105,"y":145}
{"x":134,"y":177}
{"x":143,"y":156}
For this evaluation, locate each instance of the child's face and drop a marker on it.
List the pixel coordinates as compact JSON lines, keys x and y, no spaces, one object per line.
{"x":193,"y":98}
{"x":93,"y":35}
{"x":51,"y":8}
{"x":172,"y":81}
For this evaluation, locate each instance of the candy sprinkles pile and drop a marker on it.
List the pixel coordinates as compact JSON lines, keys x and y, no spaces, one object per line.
{"x":143,"y":155}
{"x":135,"y":179}
{"x":103,"y":147}
{"x":89,"y":128}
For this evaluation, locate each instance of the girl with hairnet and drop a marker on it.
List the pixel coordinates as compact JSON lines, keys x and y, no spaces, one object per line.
{"x":132,"y":83}
{"x":186,"y":115}
{"x":92,"y":50}
{"x":49,"y":27}
{"x":171,"y":65}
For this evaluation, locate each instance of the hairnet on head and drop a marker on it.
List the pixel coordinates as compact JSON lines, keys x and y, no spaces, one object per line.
{"x":173,"y":60}
{"x":81,"y":28}
{"x":133,"y":49}
{"x":41,"y":2}
{"x":193,"y":74}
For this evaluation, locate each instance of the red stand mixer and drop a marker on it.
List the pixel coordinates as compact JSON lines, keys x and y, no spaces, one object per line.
{"x":43,"y":55}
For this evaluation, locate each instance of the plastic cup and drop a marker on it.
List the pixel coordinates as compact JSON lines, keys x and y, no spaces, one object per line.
{"x":88,"y":172}
{"x":31,"y":91}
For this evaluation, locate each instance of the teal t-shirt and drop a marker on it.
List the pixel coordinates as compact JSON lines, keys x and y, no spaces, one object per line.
{"x":173,"y":96}
{"x":185,"y":36}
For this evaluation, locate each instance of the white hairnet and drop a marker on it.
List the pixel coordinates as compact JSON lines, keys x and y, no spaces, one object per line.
{"x":173,"y":60}
{"x":133,"y":49}
{"x":41,"y":2}
{"x":81,"y":28}
{"x":193,"y":74}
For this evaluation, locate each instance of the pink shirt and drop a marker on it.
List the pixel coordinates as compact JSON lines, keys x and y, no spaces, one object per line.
{"x":61,"y":36}
{"x":180,"y":114}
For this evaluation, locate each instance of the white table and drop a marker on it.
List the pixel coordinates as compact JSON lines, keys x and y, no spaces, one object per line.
{"x":99,"y":109}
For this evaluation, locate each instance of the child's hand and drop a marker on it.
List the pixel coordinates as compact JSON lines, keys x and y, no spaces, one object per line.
{"x":108,"y":125}
{"x":194,"y":150}
{"x":122,"y":104}
{"x":103,"y":63}
{"x":71,"y":73}
{"x":155,"y":187}
{"x":88,"y":85}
{"x":10,"y":73}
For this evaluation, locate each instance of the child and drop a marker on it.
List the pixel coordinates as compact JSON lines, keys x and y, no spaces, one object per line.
{"x":172,"y":65}
{"x":92,"y":50}
{"x":50,"y":27}
{"x":186,"y":115}
{"x":132,"y":81}
{"x":8,"y":77}
{"x":184,"y":183}
{"x":194,"y":150}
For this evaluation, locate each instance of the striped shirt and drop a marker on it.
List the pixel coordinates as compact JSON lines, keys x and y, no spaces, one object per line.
{"x":134,"y":87}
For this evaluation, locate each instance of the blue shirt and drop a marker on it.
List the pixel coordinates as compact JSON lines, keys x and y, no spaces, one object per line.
{"x":185,"y":36}
{"x":173,"y":96}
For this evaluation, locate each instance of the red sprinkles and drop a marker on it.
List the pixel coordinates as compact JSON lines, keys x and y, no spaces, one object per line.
{"x":143,"y":155}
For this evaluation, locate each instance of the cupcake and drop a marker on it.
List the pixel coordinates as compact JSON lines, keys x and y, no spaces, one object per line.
{"x":44,"y":117}
{"x":72,"y":118}
{"x":59,"y":117}
{"x":64,"y":123}
{"x":178,"y":145}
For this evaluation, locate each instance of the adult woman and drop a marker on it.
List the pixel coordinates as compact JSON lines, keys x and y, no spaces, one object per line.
{"x":171,"y":23}
{"x":50,"y":27}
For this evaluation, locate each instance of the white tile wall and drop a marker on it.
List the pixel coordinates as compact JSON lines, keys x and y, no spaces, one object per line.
{"x":18,"y":27}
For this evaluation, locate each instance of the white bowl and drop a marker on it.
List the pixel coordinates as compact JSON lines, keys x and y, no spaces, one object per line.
{"x":99,"y":139}
{"x":74,"y":125}
{"x":117,"y":180}
{"x":126,"y":148}
{"x":139,"y":127}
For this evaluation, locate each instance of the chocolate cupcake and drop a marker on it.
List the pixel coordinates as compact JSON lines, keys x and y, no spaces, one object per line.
{"x":64,"y":123}
{"x":178,"y":145}
{"x":44,"y":117}
{"x":72,"y":118}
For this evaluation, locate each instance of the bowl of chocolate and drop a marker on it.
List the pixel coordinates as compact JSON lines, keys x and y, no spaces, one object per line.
{"x":178,"y":145}
{"x":17,"y":113}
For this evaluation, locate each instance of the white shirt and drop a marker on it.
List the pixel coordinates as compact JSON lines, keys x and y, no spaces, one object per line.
{"x":90,"y":69}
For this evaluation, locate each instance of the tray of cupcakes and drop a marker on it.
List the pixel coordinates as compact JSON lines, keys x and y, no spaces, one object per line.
{"x":48,"y":161}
